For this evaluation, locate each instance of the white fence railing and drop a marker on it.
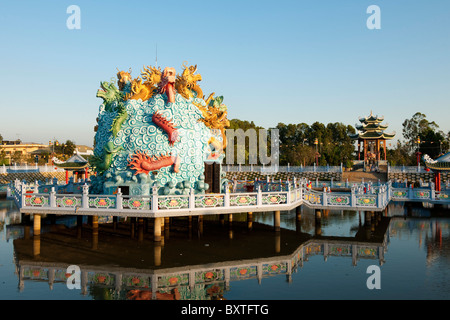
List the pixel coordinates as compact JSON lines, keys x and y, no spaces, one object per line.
{"x":29,"y":168}
{"x":406,"y":169}
{"x":276,"y":168}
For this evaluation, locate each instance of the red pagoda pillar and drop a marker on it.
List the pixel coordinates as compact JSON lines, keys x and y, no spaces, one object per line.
{"x":67,"y":176}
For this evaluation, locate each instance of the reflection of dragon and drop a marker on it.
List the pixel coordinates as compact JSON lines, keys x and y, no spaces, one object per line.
{"x":187,"y":83}
{"x":109,"y":93}
{"x":103,"y":162}
{"x":144,"y":90}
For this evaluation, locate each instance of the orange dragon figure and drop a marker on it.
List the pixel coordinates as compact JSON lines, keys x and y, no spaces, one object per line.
{"x":143,"y":163}
{"x":167,"y":83}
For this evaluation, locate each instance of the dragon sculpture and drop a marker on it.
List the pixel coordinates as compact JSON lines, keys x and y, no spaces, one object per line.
{"x":146,"y":87}
{"x":215,"y":116}
{"x":168,"y":98}
{"x":186,"y":84}
{"x":109,"y":93}
{"x":103,"y":162}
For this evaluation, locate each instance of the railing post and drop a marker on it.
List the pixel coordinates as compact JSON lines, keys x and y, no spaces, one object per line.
{"x":154,"y":199}
{"x":288,"y":196}
{"x":353,"y":197}
{"x":85,"y":197}
{"x":325,"y":198}
{"x":433,"y":191}
{"x":410,"y":193}
{"x":23,"y":191}
{"x":119,"y":204}
{"x":259,"y":197}
{"x":53,"y":198}
{"x":226,"y":199}
{"x":379,"y":199}
{"x":191,"y":199}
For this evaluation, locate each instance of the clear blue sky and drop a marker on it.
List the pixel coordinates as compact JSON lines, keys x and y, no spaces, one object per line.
{"x":273,"y":61}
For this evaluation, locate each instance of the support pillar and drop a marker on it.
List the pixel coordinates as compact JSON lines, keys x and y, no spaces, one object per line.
{"x":140,"y":229}
{"x":157,"y":252}
{"x":157,"y":230}
{"x":95,"y":232}
{"x":276,"y":221}
{"x":200,"y":225}
{"x":67,"y":176}
{"x":132,"y":227}
{"x":37,"y":224}
{"x":249,"y":220}
{"x":190,"y":226}
{"x":36,"y":234}
{"x":166,"y":227}
{"x":277,"y":242}
{"x":298,"y":220}
{"x":79,"y":226}
{"x":115,"y":219}
{"x":318,"y":222}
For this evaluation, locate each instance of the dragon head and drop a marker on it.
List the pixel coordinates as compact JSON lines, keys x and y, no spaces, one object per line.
{"x":108,"y":92}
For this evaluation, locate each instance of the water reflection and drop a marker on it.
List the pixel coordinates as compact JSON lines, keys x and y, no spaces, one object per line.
{"x":200,"y":258}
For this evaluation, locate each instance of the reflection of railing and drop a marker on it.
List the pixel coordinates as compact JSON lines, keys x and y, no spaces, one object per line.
{"x":191,"y":281}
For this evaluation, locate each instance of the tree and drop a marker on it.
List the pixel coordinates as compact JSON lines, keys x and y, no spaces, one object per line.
{"x":69,"y":147}
{"x":414,"y":127}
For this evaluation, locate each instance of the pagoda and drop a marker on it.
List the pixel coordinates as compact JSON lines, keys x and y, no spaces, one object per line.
{"x":441,"y":164}
{"x":371,"y":137}
{"x":75,"y":164}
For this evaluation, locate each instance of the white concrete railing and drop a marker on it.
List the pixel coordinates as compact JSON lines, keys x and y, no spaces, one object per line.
{"x":360,"y":197}
{"x":406,"y":169}
{"x":276,"y":168}
{"x":28,"y":168}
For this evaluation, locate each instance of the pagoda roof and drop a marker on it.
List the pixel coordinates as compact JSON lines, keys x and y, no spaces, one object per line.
{"x":442,"y":163}
{"x":371,"y":126}
{"x":372,"y":135}
{"x":73,"y":163}
{"x":371,"y":119}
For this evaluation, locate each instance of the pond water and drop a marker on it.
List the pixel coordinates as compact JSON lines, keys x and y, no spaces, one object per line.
{"x":220,"y":259}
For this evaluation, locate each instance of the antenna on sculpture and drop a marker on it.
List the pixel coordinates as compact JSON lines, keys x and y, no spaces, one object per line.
{"x":156,"y":56}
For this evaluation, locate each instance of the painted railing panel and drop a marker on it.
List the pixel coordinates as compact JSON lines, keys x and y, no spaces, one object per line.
{"x":68,"y":201}
{"x":102,"y":202}
{"x":136,"y":203}
{"x":243,"y":199}
{"x":173,"y":202}
{"x":209,"y":201}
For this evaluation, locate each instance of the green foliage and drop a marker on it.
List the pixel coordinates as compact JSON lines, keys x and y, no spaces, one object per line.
{"x":334,"y":145}
{"x":423,"y":136}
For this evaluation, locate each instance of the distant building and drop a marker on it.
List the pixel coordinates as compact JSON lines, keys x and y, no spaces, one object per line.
{"x":84,"y":150}
{"x":12,"y":147}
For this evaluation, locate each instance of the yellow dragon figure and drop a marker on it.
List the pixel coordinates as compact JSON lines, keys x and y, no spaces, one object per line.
{"x":215,"y":115}
{"x":123,"y":78}
{"x":186,"y":84}
{"x":144,"y":90}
